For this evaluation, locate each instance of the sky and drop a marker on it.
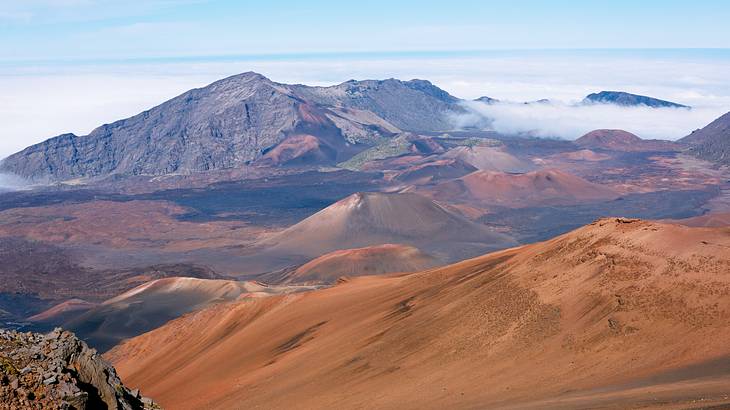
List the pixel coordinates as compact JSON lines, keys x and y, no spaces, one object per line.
{"x":71,"y":65}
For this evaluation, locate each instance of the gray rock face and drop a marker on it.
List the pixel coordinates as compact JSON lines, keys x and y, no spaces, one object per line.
{"x":627,"y":99}
{"x":59,"y":371}
{"x":712,"y":142}
{"x":415,"y":105}
{"x":237,"y":121}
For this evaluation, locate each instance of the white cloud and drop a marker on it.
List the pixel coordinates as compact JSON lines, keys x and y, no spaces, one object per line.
{"x":572,"y":121}
{"x":36,"y":107}
{"x":11,"y":183}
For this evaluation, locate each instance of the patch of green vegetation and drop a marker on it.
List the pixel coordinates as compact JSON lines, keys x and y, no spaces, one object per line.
{"x":7,"y":367}
{"x":466,"y":141}
{"x":474,"y":141}
{"x":385,"y":148}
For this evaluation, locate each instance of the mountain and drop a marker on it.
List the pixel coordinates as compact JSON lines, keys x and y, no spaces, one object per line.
{"x":628,"y":100}
{"x":537,"y":188}
{"x":487,"y":100}
{"x":244,"y":119}
{"x":618,"y":314}
{"x":712,"y":142}
{"x":373,"y":218}
{"x":151,"y":305}
{"x":620,"y":140}
{"x":59,"y":371}
{"x":371,"y":260}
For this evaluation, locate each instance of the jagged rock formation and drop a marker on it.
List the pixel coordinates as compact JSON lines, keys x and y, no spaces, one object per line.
{"x":59,"y":371}
{"x":627,"y":99}
{"x":712,"y":142}
{"x":241,"y":120}
{"x":415,"y":105}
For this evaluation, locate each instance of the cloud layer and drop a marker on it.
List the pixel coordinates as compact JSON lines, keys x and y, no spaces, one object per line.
{"x":571,"y":121}
{"x":43,"y":100}
{"x":11,"y":183}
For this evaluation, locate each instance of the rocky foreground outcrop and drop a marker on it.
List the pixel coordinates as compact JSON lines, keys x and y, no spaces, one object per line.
{"x":59,"y":371}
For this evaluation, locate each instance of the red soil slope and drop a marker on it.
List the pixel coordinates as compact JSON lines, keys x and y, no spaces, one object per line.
{"x":544,"y":187}
{"x":371,"y":260}
{"x":617,"y":314}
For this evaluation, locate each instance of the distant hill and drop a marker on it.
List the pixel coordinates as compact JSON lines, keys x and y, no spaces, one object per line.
{"x":152,"y":304}
{"x":537,"y":188}
{"x":487,"y":100}
{"x":243,"y":119}
{"x":620,"y":140}
{"x":371,"y":260}
{"x":372,"y":218}
{"x":712,"y":142}
{"x":628,"y":100}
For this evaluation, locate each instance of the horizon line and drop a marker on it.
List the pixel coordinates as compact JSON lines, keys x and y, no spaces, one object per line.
{"x":317,"y":55}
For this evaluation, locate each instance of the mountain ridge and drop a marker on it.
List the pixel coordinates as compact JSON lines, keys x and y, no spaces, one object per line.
{"x":234,"y":122}
{"x":625,"y":99}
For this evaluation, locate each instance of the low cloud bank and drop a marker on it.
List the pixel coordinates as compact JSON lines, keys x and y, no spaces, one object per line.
{"x":10,"y":182}
{"x":570,"y":121}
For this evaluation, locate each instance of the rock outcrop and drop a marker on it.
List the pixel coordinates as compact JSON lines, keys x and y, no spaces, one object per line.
{"x":59,"y":371}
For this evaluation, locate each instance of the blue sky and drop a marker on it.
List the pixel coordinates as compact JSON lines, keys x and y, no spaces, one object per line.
{"x":71,"y":65}
{"x":102,"y":29}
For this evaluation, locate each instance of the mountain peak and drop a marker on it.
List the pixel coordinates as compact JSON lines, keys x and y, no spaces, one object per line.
{"x":625,"y":99}
{"x":486,"y":100}
{"x":371,"y":218}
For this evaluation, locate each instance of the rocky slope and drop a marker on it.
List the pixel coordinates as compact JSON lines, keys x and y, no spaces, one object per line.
{"x":58,"y":371}
{"x":712,"y":142}
{"x":627,"y":99}
{"x":415,"y":105}
{"x":621,"y":313}
{"x":240,"y":120}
